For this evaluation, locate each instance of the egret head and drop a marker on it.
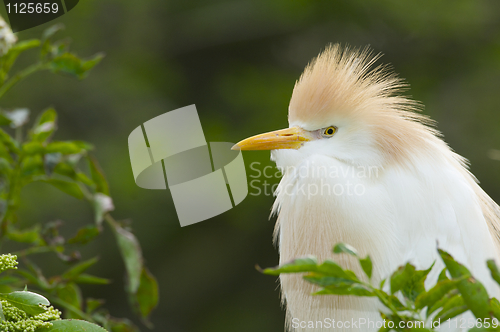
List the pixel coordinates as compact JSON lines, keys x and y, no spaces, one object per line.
{"x":342,"y":108}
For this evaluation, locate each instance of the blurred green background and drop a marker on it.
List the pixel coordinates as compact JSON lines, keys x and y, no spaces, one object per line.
{"x":238,"y":61}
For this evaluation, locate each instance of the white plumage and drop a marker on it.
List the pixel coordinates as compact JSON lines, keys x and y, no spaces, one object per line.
{"x":408,"y":189}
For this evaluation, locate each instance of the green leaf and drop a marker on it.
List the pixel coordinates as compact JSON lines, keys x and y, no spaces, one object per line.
{"x":11,"y":56}
{"x":442,"y":275}
{"x":85,"y":235}
{"x":89,"y":279}
{"x":29,"y":235}
{"x":366,"y":265}
{"x":71,"y":294}
{"x":4,"y":119}
{"x":91,"y":63}
{"x":9,"y":142}
{"x":70,"y":188}
{"x":69,"y":63}
{"x":345,"y":248}
{"x":332,"y":269}
{"x":146,"y":297}
{"x":102,"y":205}
{"x":101,"y":185}
{"x":78,"y":269}
{"x":324,"y":281}
{"x":409,"y":280}
{"x":68,"y":147}
{"x":92,"y":304}
{"x":52,"y":30}
{"x":302,"y":264}
{"x":428,"y":299}
{"x":44,"y":126}
{"x":132,"y":257}
{"x":495,"y":273}
{"x":29,"y":302}
{"x":121,"y":325}
{"x":401,"y":277}
{"x":452,"y":308}
{"x":72,"y":325}
{"x":355,"y":289}
{"x":32,"y":148}
{"x":495,"y":307}
{"x":32,"y":165}
{"x":473,"y":292}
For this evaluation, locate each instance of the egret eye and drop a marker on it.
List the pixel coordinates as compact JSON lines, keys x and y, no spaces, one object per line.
{"x":328,"y":131}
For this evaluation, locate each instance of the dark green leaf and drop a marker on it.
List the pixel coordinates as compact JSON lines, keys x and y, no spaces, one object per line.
{"x":72,"y":325}
{"x":4,"y":119}
{"x":9,"y":142}
{"x":93,"y":304}
{"x":71,"y":294}
{"x":29,"y":302}
{"x":101,"y":185}
{"x":30,"y":235}
{"x":132,"y":256}
{"x":89,"y":279}
{"x":146,"y":297}
{"x":52,"y":30}
{"x":78,"y":269}
{"x":85,"y":235}
{"x":121,"y":325}
{"x":32,"y":165}
{"x":16,"y":50}
{"x":70,"y":188}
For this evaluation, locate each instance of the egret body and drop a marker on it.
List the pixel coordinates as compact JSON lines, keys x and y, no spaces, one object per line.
{"x":352,"y":129}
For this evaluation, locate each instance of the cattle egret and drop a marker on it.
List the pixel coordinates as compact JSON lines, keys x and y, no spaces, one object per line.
{"x":360,"y":166}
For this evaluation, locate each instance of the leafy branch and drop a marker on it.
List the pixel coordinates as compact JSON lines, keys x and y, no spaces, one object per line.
{"x":408,"y":304}
{"x":30,"y":154}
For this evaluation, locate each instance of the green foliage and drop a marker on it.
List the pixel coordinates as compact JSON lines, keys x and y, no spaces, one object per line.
{"x":30,"y":154}
{"x":406,"y":300}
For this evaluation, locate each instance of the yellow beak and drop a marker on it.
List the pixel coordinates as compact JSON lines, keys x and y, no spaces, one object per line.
{"x":290,"y":138}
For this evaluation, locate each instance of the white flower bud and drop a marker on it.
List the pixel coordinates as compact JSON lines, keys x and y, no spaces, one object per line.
{"x":7,"y":37}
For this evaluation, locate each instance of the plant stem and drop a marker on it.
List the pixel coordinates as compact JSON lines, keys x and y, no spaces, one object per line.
{"x":33,"y":250}
{"x":20,"y":76}
{"x":71,"y":308}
